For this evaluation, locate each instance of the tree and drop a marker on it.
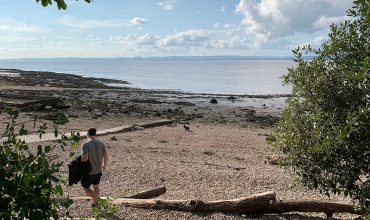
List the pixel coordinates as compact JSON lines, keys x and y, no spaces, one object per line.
{"x":324,"y":132}
{"x":60,"y":3}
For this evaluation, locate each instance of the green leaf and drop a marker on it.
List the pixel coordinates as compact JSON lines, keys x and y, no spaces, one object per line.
{"x":71,"y":155}
{"x":23,"y":131}
{"x":61,"y":119}
{"x":74,"y":146}
{"x":47,"y":149}
{"x":58,"y":190}
{"x":39,"y":149}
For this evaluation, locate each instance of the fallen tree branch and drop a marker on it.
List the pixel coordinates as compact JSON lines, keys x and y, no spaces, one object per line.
{"x":148,"y":194}
{"x":255,"y":203}
{"x":263,"y":203}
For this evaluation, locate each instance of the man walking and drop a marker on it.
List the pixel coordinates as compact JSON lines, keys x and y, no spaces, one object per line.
{"x":95,"y":152}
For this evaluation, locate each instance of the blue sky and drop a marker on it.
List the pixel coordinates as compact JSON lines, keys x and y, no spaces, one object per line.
{"x":126,"y":28}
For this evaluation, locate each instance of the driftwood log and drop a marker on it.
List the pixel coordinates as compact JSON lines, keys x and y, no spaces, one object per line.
{"x":148,"y":194}
{"x":246,"y":204}
{"x":152,"y":193}
{"x":264,"y":203}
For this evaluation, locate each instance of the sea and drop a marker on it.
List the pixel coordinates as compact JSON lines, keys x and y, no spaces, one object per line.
{"x":239,"y":77}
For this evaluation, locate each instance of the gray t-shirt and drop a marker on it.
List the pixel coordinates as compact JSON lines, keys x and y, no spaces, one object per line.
{"x":95,"y":150}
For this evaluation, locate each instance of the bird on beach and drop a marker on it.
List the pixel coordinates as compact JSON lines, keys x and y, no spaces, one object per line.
{"x":187,"y":128}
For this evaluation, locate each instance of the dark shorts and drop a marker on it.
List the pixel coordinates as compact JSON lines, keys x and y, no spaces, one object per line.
{"x":90,"y":179}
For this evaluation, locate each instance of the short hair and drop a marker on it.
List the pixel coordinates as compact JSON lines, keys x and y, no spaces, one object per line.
{"x":91,"y":132}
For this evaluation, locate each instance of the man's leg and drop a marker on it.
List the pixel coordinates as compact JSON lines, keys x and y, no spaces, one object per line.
{"x":96,"y":190}
{"x":91,"y":193}
{"x":95,"y":183}
{"x":86,"y":183}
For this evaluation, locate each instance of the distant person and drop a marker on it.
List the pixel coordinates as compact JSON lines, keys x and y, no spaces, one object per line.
{"x":95,"y":152}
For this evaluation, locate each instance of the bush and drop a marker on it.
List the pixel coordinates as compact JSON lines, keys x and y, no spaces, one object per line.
{"x":324,"y":132}
{"x":29,"y":182}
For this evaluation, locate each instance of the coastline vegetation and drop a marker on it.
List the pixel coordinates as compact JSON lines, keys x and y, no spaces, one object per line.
{"x":323,"y":135}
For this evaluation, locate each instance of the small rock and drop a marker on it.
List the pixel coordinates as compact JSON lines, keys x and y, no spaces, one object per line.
{"x":273,"y":160}
{"x":113,"y":138}
{"x":214,"y":101}
{"x":48,"y":108}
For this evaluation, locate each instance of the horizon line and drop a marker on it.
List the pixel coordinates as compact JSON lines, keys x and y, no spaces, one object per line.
{"x":210,"y":57}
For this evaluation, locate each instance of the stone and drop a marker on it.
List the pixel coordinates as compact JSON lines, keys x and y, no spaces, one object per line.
{"x":214,"y":101}
{"x":48,"y":108}
{"x":232,"y":98}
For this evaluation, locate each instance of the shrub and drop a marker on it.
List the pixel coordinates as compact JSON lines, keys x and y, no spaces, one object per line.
{"x":29,"y":182}
{"x":324,"y":132}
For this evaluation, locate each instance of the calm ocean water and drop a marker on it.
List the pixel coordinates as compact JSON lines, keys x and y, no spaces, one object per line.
{"x":200,"y":76}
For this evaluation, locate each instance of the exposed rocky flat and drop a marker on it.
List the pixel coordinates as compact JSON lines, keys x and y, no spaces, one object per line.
{"x":91,"y":97}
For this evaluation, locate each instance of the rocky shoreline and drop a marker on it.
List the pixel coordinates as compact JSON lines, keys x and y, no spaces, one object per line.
{"x":95,"y":97}
{"x":221,"y":154}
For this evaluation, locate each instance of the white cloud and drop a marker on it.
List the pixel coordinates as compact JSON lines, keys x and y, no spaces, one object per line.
{"x":229,"y":26}
{"x":189,"y":38}
{"x":216,"y":25}
{"x":98,"y":44}
{"x":145,"y":39}
{"x":273,"y":19}
{"x":16,"y":39}
{"x":116,"y":39}
{"x":324,"y":21}
{"x":87,"y":24}
{"x":235,"y":42}
{"x":134,"y":40}
{"x":318,"y":40}
{"x":168,"y":5}
{"x":223,"y":9}
{"x":315,"y":42}
{"x":137,"y":21}
{"x":11,"y":25}
{"x":74,"y":23}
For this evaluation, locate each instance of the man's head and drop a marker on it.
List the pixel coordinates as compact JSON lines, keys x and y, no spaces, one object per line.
{"x":91,"y":132}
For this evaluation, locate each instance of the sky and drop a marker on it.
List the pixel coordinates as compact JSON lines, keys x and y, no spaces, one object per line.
{"x":156,"y":28}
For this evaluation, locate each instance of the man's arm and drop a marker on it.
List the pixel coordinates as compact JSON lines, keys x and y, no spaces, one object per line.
{"x":85,"y":155}
{"x":105,"y":158}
